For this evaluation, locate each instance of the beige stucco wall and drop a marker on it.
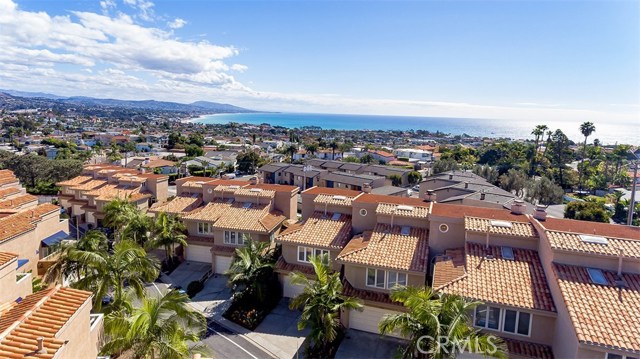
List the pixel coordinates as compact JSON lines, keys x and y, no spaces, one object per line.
{"x":287,"y":202}
{"x":76,"y":331}
{"x":26,"y":246}
{"x":362,"y":223}
{"x":542,"y":327}
{"x":499,"y":240}
{"x":159,"y":189}
{"x":357,"y":276}
{"x":404,"y":221}
{"x":10,"y":288}
{"x":629,"y":265}
{"x":453,"y":238}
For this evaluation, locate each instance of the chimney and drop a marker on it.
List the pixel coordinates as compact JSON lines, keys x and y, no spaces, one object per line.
{"x":366,"y":187}
{"x":253,"y":180}
{"x":196,"y":356}
{"x":430,"y":196}
{"x":450,"y":176}
{"x":466,"y":185}
{"x":146,"y":160}
{"x":620,"y":255}
{"x":541,"y":213}
{"x":41,"y":349}
{"x":482,"y":195}
{"x":518,"y":207}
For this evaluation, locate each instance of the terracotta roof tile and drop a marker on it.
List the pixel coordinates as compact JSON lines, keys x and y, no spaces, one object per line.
{"x":284,"y":266}
{"x":159,"y":163}
{"x":255,"y":192}
{"x":276,"y":187}
{"x":400,"y":211}
{"x":255,"y":218}
{"x":368,"y":295}
{"x":335,"y":200}
{"x":573,"y":242}
{"x":24,"y":221}
{"x":461,"y":211}
{"x":194,"y":179}
{"x":320,"y":231}
{"x":528,"y":350}
{"x":386,"y":247}
{"x":18,"y":202}
{"x":520,"y":282}
{"x":75,"y":181}
{"x":592,"y":228}
{"x":89,"y":185}
{"x":42,"y":314}
{"x":177,"y":205}
{"x":448,"y":267}
{"x":6,"y":257}
{"x":7,"y":192}
{"x":378,"y":198}
{"x":332,"y":191}
{"x":517,"y":229}
{"x":110,"y":192}
{"x":602,"y":315}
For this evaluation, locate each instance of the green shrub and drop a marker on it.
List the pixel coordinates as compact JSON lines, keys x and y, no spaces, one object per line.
{"x":194,"y":288}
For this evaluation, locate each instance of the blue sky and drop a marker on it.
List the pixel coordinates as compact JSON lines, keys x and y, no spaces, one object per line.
{"x":497,"y":59}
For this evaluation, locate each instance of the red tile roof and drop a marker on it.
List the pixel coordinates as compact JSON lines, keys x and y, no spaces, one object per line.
{"x":592,"y":228}
{"x":461,"y":211}
{"x":6,"y":192}
{"x":6,"y":257}
{"x":284,"y":266}
{"x":378,"y":198}
{"x":528,"y":350}
{"x":520,"y":282}
{"x":320,"y":231}
{"x":42,"y":314}
{"x":367,"y":295}
{"x":602,"y":315}
{"x":332,"y":191}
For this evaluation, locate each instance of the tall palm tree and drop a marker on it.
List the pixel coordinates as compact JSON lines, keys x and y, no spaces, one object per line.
{"x":291,"y":150}
{"x":68,"y":252}
{"x":158,"y":328}
{"x":586,"y":128}
{"x":334,"y":145}
{"x":117,"y":214}
{"x":321,"y":302}
{"x":251,"y":266}
{"x":437,"y":316}
{"x":538,"y":132}
{"x":104,"y":272}
{"x":138,"y":226}
{"x":168,"y":231}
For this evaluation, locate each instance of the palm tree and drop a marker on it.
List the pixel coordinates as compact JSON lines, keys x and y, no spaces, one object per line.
{"x":168,"y":231}
{"x":251,"y":267}
{"x":321,"y":302}
{"x":68,"y":253}
{"x":437,"y":316}
{"x":158,"y":328}
{"x":291,"y":150}
{"x":345,"y":147}
{"x":334,"y":145}
{"x":117,"y":214}
{"x":538,"y":132}
{"x":103,"y":272}
{"x":586,"y":128}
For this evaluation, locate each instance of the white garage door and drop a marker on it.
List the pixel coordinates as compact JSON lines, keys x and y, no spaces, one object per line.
{"x":198,"y":253}
{"x":368,"y":319}
{"x":222,"y":264}
{"x":290,"y":290}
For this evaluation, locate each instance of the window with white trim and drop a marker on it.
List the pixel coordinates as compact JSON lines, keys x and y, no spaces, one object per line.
{"x":305,"y":253}
{"x":516,"y":322}
{"x":204,"y":228}
{"x":487,"y":317}
{"x":505,"y":320}
{"x":235,"y":238}
{"x":379,"y":278}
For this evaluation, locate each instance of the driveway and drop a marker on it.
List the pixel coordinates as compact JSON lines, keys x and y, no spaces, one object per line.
{"x":358,"y":344}
{"x":278,"y":332}
{"x":187,"y":272}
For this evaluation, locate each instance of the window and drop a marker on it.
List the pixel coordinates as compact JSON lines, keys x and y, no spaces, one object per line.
{"x":487,"y":317}
{"x":395,"y":279}
{"x":618,"y":356}
{"x":597,"y":276}
{"x":235,"y":238}
{"x":405,"y":230}
{"x":443,"y":228}
{"x":204,"y":228}
{"x":305,"y":253}
{"x":375,"y":278}
{"x":507,"y":253}
{"x":363,"y":212}
{"x":379,"y":278}
{"x":516,"y":322}
{"x":336,"y":216}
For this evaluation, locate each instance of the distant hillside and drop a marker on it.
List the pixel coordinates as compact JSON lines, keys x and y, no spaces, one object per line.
{"x":17,"y":100}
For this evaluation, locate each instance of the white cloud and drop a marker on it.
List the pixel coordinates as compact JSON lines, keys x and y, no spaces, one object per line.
{"x":239,"y":68}
{"x":177,"y":23}
{"x":107,"y":5}
{"x":144,"y":7}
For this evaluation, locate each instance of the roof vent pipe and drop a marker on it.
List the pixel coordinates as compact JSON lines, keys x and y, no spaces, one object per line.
{"x":482,"y":195}
{"x":540,"y":213}
{"x":466,"y":185}
{"x":450,"y":176}
{"x":430,"y":196}
{"x":41,"y":349}
{"x":620,"y":255}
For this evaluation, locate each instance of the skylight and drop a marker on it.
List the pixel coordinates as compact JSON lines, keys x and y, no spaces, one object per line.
{"x":339,"y":198}
{"x":336,"y":216}
{"x":404,"y":208}
{"x":502,"y":224}
{"x":507,"y":253}
{"x":405,"y":230}
{"x":593,"y":239}
{"x":246,"y":205}
{"x":597,"y":276}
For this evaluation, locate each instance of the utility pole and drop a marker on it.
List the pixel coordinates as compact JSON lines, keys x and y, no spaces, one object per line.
{"x":633,"y":194}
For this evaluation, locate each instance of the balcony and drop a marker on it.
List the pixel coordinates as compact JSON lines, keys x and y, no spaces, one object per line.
{"x":96,"y":331}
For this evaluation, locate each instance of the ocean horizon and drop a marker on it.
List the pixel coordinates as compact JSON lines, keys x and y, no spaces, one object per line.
{"x":607,"y":133}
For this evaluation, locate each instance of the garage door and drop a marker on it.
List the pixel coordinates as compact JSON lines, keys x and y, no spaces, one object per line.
{"x":199,"y":253}
{"x":222,"y":264}
{"x":290,"y":290}
{"x":368,"y":319}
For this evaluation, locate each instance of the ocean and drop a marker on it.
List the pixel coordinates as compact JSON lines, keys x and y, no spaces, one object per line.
{"x":607,"y":133}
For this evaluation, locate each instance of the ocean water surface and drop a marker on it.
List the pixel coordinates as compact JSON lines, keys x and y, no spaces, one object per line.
{"x":607,"y":133}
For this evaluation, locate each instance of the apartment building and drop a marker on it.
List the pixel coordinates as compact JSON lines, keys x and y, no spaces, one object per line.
{"x":220,"y":215}
{"x":550,"y":287}
{"x":84,"y":197}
